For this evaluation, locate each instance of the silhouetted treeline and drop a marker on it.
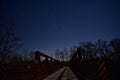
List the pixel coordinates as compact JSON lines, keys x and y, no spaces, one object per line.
{"x":92,"y":50}
{"x":103,"y":55}
{"x":100,"y":48}
{"x":10,"y":43}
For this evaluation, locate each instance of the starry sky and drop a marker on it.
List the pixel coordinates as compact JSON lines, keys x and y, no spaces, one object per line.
{"x":49,"y":24}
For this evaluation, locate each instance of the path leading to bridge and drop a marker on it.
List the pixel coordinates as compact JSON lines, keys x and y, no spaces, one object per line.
{"x":63,"y":74}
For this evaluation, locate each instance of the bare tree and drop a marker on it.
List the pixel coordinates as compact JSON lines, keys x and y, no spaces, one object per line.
{"x":57,"y":54}
{"x":9,"y":43}
{"x":62,"y":56}
{"x":28,"y":55}
{"x":66,"y":54}
{"x":87,"y":50}
{"x":72,"y":51}
{"x":101,"y":48}
{"x":32,"y":55}
{"x":115,"y":43}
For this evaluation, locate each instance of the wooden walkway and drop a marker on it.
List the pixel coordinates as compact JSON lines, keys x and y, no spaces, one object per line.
{"x":62,"y":74}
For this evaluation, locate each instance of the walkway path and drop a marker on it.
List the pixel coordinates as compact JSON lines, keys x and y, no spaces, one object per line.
{"x":63,"y":74}
{"x":68,"y":75}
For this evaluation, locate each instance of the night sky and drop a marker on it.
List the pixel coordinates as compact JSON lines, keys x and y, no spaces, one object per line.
{"x":49,"y":24}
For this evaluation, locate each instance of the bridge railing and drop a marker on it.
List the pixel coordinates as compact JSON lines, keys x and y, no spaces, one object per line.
{"x":38,"y":70}
{"x":94,"y":69}
{"x":46,"y":66}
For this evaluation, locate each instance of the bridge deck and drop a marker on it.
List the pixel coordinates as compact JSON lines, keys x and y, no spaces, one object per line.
{"x":62,"y":74}
{"x":68,"y":75}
